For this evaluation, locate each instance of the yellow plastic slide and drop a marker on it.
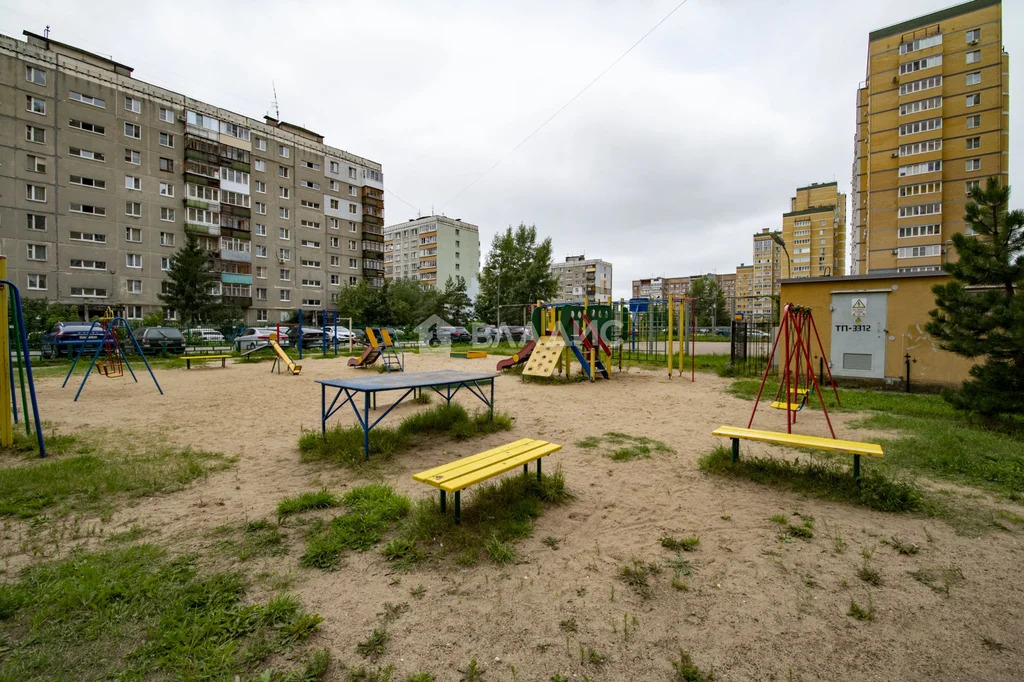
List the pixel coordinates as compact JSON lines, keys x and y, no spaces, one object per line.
{"x":283,"y":357}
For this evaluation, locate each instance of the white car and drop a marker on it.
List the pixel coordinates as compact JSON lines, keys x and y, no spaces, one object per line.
{"x":343,"y":334}
{"x":257,"y":336}
{"x":204,"y":333}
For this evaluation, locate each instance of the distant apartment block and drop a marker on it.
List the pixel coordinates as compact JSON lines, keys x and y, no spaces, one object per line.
{"x":653,"y":287}
{"x":679,"y":287}
{"x":932,"y":122}
{"x":814,"y":230}
{"x":744,"y":301}
{"x":102,"y":176}
{"x":580,"y":277}
{"x":431,"y":250}
{"x":767,"y":273}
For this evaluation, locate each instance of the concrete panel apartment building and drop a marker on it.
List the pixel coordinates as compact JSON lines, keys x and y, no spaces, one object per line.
{"x":580,"y":277}
{"x":431,"y":250}
{"x":932,"y":121}
{"x":103,"y":175}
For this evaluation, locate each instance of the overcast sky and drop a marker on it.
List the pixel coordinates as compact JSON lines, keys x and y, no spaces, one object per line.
{"x":666,"y":166}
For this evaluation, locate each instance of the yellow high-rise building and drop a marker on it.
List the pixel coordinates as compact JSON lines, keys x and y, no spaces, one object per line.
{"x":932,"y":121}
{"x":744,"y":290}
{"x":814,"y":230}
{"x":767,"y":274}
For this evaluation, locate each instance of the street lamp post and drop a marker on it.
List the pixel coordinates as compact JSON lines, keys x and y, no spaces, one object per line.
{"x":777,"y":238}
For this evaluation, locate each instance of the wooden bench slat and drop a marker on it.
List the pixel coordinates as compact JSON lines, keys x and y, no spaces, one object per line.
{"x":423,"y":476}
{"x":467,"y":478}
{"x":460,"y":468}
{"x":204,"y":357}
{"x":798,"y":440}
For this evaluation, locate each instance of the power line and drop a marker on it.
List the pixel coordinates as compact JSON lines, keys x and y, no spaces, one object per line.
{"x":417,"y":208}
{"x":566,"y":105}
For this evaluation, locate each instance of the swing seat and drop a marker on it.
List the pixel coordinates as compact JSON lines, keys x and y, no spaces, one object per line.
{"x":792,"y":407}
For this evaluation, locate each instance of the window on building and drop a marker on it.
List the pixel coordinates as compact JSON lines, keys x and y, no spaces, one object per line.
{"x":284,"y":233}
{"x":35,"y":192}
{"x":974,"y":121}
{"x":36,"y":223}
{"x":132,"y":156}
{"x":37,"y":282}
{"x":974,"y":99}
{"x":132,"y":130}
{"x":284,"y":213}
{"x":166,"y":189}
{"x":134,"y":286}
{"x":284,"y":192}
{"x":352,"y":173}
{"x":88,"y":237}
{"x":260,"y":251}
{"x":133,"y":209}
{"x":133,"y":234}
{"x":166,"y":115}
{"x":87,"y":127}
{"x":87,"y":154}
{"x":133,"y":183}
{"x":972,"y":184}
{"x":974,"y":57}
{"x":133,"y":105}
{"x":351,"y":208}
{"x":973,"y":164}
{"x":88,"y":264}
{"x":284,"y":254}
{"x":35,"y":75}
{"x":35,"y":105}
{"x":167,"y":215}
{"x":973,"y":142}
{"x":166,"y":239}
{"x":133,"y":260}
{"x":974,"y":78}
{"x":973,"y":36}
{"x":36,"y":252}
{"x":259,"y":143}
{"x":285,"y":295}
{"x":34,"y":134}
{"x":260,"y":186}
{"x":166,"y":165}
{"x":284,"y":151}
{"x":166,"y":140}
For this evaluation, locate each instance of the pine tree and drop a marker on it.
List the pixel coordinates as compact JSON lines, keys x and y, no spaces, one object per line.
{"x":980,"y":313}
{"x":189,"y":282}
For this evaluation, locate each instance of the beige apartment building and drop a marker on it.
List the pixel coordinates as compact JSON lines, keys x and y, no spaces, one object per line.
{"x":580,"y":277}
{"x":102,"y":176}
{"x":767,"y":273}
{"x":744,"y":301}
{"x":814,"y":230}
{"x":932,"y":121}
{"x":431,"y":250}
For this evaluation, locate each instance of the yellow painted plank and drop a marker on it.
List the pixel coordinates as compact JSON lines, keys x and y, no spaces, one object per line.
{"x":204,"y":357}
{"x":545,"y":356}
{"x":798,"y":440}
{"x":429,"y":473}
{"x":458,"y":483}
{"x":779,"y":405}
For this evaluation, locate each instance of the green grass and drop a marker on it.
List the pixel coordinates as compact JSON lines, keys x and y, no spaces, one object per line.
{"x":861,"y":613}
{"x":370,"y":510}
{"x":685,"y":670}
{"x":680,"y":544}
{"x":320,"y":499}
{"x":253,"y":539}
{"x":497,"y":515}
{"x":636,"y":573}
{"x":934,"y":439}
{"x":824,"y":479}
{"x":136,"y":613}
{"x":345,"y":444}
{"x":622,"y":447}
{"x":94,"y":483}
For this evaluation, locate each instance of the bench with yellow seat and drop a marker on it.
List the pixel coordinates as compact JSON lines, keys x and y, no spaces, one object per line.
{"x":201,"y":358}
{"x":462,"y":473}
{"x":856,"y":448}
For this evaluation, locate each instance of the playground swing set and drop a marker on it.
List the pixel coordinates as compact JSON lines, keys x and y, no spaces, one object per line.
{"x":10,"y":302}
{"x":109,"y":328}
{"x":641,"y":330}
{"x":797,"y":382}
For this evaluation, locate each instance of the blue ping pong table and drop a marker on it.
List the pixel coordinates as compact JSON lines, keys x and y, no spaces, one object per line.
{"x":446,"y":383}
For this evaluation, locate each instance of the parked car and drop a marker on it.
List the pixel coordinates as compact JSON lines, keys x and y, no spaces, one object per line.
{"x":154,"y":339}
{"x":312,"y":337}
{"x":485,"y":333}
{"x":448,"y":335}
{"x":67,"y":337}
{"x":204,"y":334}
{"x":343,"y":334}
{"x":514,"y":333}
{"x":757,"y":334}
{"x":255,"y":336}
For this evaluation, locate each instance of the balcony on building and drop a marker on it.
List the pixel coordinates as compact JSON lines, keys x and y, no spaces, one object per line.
{"x":199,"y":173}
{"x":201,"y":149}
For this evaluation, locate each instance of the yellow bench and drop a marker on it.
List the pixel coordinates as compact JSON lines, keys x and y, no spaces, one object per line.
{"x":856,"y":448}
{"x":189,"y":358}
{"x":462,"y":473}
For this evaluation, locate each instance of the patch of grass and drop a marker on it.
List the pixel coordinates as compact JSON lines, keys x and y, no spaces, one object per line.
{"x":370,"y":509}
{"x":260,"y":538}
{"x":590,"y":657}
{"x":780,"y":519}
{"x":393,"y":612}
{"x":344,"y":445}
{"x":622,"y":447}
{"x":403,"y":553}
{"x":569,"y":625}
{"x":472,"y":672}
{"x":499,"y":514}
{"x":635,"y":574}
{"x":313,"y":668}
{"x":940,"y":579}
{"x":870,"y":575}
{"x":861,"y":613}
{"x":418,"y":592}
{"x":135,"y":613}
{"x":374,"y":646}
{"x":803,"y":532}
{"x":823,"y":479}
{"x":423,"y":398}
{"x":94,"y":483}
{"x":685,"y":670}
{"x":134,"y":533}
{"x":361,"y":674}
{"x":902,"y":547}
{"x":681,"y":544}
{"x":57,"y":444}
{"x":320,"y":499}
{"x":551,"y":541}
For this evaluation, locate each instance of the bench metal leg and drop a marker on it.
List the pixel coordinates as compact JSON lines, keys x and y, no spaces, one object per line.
{"x":735,"y":450}
{"x":538,"y":469}
{"x":444,"y":502}
{"x":188,"y":364}
{"x":458,"y":507}
{"x":526,"y":468}
{"x":856,"y":469}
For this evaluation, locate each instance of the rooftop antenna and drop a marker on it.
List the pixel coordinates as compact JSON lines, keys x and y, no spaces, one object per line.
{"x":46,"y":33}
{"x":277,"y":109}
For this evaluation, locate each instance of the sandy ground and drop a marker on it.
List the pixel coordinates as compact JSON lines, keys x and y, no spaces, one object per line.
{"x":758,"y":608}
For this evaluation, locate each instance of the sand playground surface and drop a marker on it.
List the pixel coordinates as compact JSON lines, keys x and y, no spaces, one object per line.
{"x":757,"y":606}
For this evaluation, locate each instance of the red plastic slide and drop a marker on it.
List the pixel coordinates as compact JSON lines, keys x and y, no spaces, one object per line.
{"x":522,"y":356}
{"x":368,"y":357}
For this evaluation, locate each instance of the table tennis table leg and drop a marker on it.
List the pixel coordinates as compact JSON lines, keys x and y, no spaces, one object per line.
{"x":366,"y":425}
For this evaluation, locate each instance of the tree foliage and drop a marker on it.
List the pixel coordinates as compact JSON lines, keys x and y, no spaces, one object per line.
{"x":980,"y":313}
{"x":41,"y":314}
{"x":517,"y":271}
{"x":709,"y":299}
{"x":403,"y":303}
{"x":189,"y":281}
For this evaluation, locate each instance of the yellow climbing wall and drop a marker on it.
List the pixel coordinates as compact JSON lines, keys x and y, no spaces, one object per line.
{"x":544,"y":357}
